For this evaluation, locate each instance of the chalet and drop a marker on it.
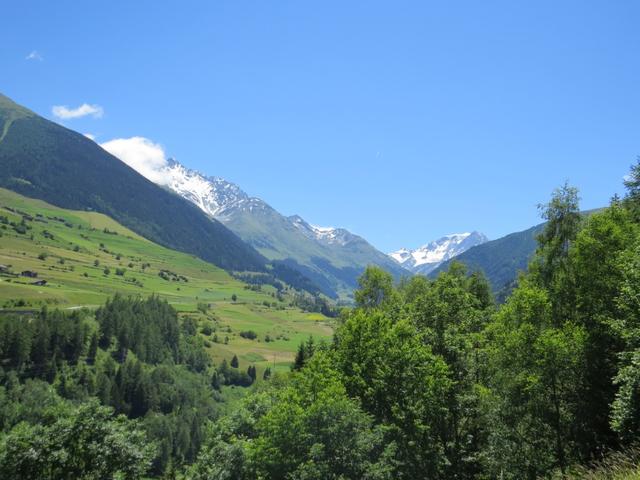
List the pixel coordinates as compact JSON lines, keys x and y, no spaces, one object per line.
{"x":29,"y":273}
{"x":4,"y":269}
{"x":40,"y":283}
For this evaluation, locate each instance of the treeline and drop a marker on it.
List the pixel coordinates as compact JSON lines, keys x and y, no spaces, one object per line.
{"x":431,"y":379}
{"x":135,"y":358}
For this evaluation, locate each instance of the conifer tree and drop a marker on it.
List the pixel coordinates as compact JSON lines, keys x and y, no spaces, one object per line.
{"x":93,"y":349}
{"x":298,"y":363}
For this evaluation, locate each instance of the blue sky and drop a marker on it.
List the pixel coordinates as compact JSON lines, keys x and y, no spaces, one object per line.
{"x":401,"y":121}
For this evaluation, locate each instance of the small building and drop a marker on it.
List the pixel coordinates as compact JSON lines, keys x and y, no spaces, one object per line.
{"x":40,"y":283}
{"x":4,"y":269}
{"x":29,"y":273}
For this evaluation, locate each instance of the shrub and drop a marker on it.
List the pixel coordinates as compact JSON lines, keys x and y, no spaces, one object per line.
{"x":249,"y":334}
{"x":206,"y":329}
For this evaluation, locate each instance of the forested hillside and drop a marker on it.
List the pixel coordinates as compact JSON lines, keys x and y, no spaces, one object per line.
{"x":425,"y":379}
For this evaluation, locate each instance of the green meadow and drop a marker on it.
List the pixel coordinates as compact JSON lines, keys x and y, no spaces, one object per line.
{"x":86,"y":257}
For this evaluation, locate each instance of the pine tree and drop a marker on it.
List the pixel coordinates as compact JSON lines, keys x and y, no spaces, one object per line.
{"x":298,"y":363}
{"x":40,"y":353}
{"x":234,"y":362}
{"x":310,"y":348}
{"x":632,"y":184}
{"x":251,"y":371}
{"x":93,"y":349}
{"x":215,"y":380}
{"x":223,"y":372}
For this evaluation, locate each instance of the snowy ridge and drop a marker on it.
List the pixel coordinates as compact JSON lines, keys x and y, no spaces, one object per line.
{"x":213,"y":195}
{"x":221,"y":199}
{"x":430,"y":256}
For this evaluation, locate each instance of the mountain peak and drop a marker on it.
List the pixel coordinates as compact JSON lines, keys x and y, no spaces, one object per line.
{"x":429,"y":256}
{"x":213,"y":195}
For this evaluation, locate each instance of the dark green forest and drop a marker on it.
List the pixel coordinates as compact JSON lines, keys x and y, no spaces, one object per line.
{"x":423,"y":379}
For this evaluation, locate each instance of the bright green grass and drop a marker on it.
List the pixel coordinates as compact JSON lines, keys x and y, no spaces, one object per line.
{"x":78,"y":282}
{"x":286,"y":328}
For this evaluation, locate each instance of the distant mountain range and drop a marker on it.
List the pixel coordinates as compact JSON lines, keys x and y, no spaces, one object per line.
{"x":430,"y":256}
{"x":332,"y":258}
{"x":217,"y":221}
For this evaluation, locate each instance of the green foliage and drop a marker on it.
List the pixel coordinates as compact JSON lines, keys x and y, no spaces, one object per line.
{"x":536,"y":369}
{"x":455,"y":387}
{"x":86,"y":442}
{"x":626,"y":407}
{"x":309,"y":429}
{"x":148,"y":327}
{"x":376,"y":287}
{"x":304,"y":353}
{"x":562,"y":214}
{"x":407,"y":391}
{"x":249,"y":334}
{"x":161,"y":378}
{"x":632,"y":184}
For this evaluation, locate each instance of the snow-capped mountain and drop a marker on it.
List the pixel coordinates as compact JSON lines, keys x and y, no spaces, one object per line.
{"x":430,"y":256}
{"x":332,"y":258}
{"x":213,"y":195}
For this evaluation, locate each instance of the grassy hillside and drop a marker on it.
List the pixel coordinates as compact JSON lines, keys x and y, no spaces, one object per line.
{"x":86,"y":257}
{"x":44,"y":160}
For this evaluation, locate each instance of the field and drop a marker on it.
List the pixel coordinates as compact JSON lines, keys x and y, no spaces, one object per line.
{"x":86,"y":257}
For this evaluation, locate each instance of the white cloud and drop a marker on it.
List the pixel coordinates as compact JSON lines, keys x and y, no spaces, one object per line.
{"x":141,"y":154}
{"x":65,"y":113}
{"x":34,"y":55}
{"x":90,"y":136}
